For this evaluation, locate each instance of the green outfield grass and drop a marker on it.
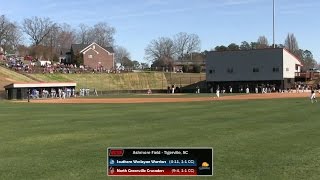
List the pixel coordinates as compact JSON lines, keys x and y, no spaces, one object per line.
{"x":260,"y":139}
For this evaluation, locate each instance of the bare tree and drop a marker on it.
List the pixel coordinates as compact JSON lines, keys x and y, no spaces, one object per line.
{"x":291,"y":43}
{"x":120,"y":54}
{"x":262,"y":42}
{"x":9,"y":34}
{"x":103,"y":34}
{"x":51,"y":39}
{"x":4,"y":28}
{"x":185,"y":44}
{"x":83,"y":34}
{"x":38,"y":28}
{"x":66,"y":36}
{"x":161,"y":50}
{"x":56,"y":43}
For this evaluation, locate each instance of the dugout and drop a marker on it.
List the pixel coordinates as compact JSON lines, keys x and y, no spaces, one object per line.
{"x":20,"y":90}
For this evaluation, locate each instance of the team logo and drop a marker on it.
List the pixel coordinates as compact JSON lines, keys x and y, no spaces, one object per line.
{"x":111,"y":161}
{"x":111,"y":171}
{"x":205,"y":166}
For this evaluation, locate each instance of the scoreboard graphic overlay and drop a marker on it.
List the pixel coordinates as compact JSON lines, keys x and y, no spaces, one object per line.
{"x":160,"y":162}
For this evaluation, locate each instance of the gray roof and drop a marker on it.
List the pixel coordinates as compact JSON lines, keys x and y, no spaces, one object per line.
{"x":249,"y":50}
{"x":109,"y":49}
{"x":64,"y":51}
{"x":80,"y":47}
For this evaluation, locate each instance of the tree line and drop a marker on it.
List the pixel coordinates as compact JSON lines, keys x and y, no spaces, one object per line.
{"x":290,"y":43}
{"x":164,"y":51}
{"x":49,"y":39}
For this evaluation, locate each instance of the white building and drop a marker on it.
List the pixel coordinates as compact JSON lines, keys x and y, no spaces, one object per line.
{"x":44,"y":63}
{"x":261,"y":67}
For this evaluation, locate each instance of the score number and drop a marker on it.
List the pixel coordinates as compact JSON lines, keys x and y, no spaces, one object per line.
{"x":181,"y":161}
{"x":182,"y":171}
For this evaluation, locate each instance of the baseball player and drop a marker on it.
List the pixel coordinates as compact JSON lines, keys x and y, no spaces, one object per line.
{"x":218,"y":92}
{"x":247,"y":90}
{"x":63,"y":94}
{"x":313,"y":96}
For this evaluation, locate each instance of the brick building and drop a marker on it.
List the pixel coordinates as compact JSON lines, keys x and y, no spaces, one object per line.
{"x":93,"y":55}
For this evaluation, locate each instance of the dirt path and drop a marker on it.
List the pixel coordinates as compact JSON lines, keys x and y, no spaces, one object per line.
{"x":178,"y":99}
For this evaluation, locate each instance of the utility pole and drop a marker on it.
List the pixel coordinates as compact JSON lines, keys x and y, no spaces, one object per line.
{"x":274,"y":45}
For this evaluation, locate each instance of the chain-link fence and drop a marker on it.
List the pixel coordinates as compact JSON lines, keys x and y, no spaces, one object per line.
{"x":2,"y":95}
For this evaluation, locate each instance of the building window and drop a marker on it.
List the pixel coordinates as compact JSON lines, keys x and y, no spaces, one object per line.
{"x":287,"y":69}
{"x":90,"y":56}
{"x":255,"y":70}
{"x":275,"y":69}
{"x":211,"y":71}
{"x":289,"y":80}
{"x":230,"y":70}
{"x":297,"y":67}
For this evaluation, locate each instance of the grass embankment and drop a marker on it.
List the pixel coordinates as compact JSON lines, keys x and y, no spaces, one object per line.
{"x":107,"y":82}
{"x":7,"y":77}
{"x":185,"y":79}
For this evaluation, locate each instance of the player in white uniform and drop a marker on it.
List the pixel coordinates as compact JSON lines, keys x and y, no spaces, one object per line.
{"x":313,"y":97}
{"x":247,"y":90}
{"x":218,"y":92}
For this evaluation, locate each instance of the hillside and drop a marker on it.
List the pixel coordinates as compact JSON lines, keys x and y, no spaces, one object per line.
{"x":107,"y":82}
{"x":7,"y":77}
{"x":184,"y":79}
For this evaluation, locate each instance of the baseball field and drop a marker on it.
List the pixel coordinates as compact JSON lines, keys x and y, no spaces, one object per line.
{"x":260,"y":138}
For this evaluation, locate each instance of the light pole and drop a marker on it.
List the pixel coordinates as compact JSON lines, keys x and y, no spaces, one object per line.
{"x":274,"y":45}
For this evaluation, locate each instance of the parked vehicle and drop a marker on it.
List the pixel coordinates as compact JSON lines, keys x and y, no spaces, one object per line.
{"x":314,"y":70}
